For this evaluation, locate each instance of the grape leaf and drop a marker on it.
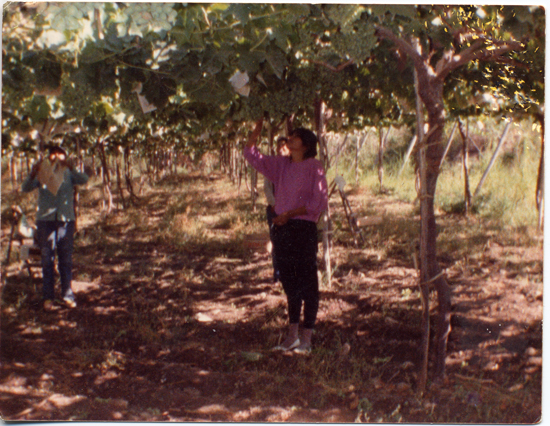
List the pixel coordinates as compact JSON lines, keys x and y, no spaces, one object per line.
{"x":277,"y":59}
{"x":219,"y":7}
{"x":295,"y":11}
{"x":250,"y":61}
{"x":39,"y":109}
{"x":241,"y":11}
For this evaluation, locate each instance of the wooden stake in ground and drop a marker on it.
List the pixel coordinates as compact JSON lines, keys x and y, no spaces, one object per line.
{"x":408,"y":154}
{"x":358,"y":147}
{"x":382,"y":146}
{"x":467,"y":193}
{"x":449,"y":142}
{"x":540,"y":179}
{"x":325,"y":217}
{"x":493,"y":158}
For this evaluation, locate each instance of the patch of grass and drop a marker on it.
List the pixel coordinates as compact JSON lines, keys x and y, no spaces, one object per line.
{"x":507,"y":196}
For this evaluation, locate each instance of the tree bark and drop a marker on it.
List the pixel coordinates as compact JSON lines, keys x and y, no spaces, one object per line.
{"x":431,"y":93}
{"x":128,"y":175}
{"x":119,"y":182}
{"x":423,"y":280}
{"x":431,"y":271}
{"x":108,"y":196}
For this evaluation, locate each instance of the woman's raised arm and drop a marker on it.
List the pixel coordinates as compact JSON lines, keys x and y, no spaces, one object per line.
{"x":253,"y":138}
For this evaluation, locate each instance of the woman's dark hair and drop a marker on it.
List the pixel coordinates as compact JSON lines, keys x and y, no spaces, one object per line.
{"x":308,"y":139}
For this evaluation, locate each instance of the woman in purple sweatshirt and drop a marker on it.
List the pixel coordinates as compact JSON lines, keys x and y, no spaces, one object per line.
{"x":300,"y":197}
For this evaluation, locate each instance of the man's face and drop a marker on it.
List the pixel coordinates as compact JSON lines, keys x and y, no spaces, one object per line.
{"x":282,"y":149}
{"x":57,"y":156}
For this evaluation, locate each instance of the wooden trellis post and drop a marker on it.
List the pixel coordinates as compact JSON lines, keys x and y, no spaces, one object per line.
{"x":325,"y":217}
{"x":493,"y":158}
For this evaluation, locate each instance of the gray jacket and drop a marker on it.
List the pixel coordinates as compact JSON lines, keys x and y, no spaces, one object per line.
{"x":60,"y":206}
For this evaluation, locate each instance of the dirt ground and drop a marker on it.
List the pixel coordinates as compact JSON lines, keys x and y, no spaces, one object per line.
{"x":173,"y":330}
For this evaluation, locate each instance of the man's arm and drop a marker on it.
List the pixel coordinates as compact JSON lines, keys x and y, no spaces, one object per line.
{"x":31,"y":183}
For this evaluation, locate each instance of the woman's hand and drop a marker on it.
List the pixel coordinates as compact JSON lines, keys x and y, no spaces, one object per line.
{"x":282,"y":219}
{"x":253,"y":138}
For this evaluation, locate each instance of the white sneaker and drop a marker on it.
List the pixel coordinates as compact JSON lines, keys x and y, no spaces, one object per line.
{"x":303,"y":349}
{"x":70,"y":303}
{"x":287,"y":348}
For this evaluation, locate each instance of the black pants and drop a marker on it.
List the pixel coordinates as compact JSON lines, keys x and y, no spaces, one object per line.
{"x":55,"y":236}
{"x":295,"y":245}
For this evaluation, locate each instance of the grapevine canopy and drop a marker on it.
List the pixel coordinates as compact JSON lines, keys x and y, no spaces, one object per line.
{"x":127,"y":63}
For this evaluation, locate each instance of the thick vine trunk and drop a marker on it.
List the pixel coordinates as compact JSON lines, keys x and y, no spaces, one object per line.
{"x":108,"y":201}
{"x":128,"y":175}
{"x":431,"y":92}
{"x":231,"y":161}
{"x":423,"y":282}
{"x":119,"y":183}
{"x":241,"y":169}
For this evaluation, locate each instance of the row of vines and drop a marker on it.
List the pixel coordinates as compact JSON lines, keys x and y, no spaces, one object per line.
{"x":158,"y":86}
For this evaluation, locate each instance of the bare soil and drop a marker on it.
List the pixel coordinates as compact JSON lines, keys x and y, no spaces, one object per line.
{"x":172,"y":330}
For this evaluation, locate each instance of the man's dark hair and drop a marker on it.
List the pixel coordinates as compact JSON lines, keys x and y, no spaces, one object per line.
{"x":56,"y":150}
{"x":308,"y":139}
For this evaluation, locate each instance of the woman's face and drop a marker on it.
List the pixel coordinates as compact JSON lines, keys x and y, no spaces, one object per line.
{"x":295,"y":144}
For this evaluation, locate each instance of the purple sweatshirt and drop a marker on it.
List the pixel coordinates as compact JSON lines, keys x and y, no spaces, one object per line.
{"x":297,"y":185}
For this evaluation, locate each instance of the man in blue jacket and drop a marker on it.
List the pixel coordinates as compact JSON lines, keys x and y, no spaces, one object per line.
{"x":55,"y":221}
